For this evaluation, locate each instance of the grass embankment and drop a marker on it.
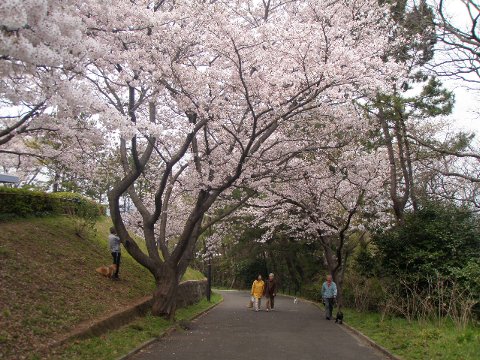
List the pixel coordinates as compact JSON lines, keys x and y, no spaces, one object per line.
{"x":121,"y":341}
{"x":418,"y":340}
{"x":48,"y":282}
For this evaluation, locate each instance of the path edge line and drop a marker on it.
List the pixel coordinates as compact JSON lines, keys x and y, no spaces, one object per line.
{"x":364,"y":337}
{"x":167,"y":332}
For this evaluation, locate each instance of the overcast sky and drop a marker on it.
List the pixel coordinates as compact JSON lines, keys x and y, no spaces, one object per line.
{"x":466,"y":113}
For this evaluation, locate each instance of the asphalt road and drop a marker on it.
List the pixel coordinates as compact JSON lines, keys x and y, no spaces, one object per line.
{"x":232,"y":332}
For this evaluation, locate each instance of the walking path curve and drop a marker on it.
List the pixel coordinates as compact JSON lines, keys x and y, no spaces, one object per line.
{"x":232,"y":332}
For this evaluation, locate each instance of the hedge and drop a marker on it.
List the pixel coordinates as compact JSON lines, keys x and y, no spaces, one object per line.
{"x":22,"y":202}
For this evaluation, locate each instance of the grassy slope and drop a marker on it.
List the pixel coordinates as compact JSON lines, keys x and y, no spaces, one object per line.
{"x":48,"y":281}
{"x":119,"y":342}
{"x":418,"y":340}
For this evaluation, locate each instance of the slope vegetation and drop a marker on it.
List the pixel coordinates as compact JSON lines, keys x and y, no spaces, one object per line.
{"x":48,"y":282}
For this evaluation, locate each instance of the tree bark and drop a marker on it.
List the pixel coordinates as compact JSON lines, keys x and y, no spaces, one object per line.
{"x":56,"y":181}
{"x":165,"y":294}
{"x":338,"y":279}
{"x":336,"y":268}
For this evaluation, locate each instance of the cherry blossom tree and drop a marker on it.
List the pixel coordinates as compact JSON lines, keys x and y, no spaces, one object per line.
{"x":42,"y":49}
{"x":193,"y":99}
{"x":328,"y":196}
{"x":457,"y":189}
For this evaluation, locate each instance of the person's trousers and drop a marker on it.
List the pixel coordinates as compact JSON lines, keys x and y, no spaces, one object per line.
{"x":258,"y":303}
{"x":270,"y":302}
{"x":329,"y":302}
{"x":116,"y":260}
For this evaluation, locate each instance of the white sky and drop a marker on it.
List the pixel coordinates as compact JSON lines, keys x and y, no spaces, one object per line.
{"x":466,"y":113}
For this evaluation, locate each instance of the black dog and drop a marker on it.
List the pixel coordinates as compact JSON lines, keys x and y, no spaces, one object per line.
{"x":339,"y":318}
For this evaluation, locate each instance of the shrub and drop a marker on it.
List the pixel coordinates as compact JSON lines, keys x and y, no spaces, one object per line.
{"x":363,"y":293}
{"x":76,"y":204}
{"x":22,"y":202}
{"x":312,"y":291}
{"x":437,"y":240}
{"x":429,"y":266}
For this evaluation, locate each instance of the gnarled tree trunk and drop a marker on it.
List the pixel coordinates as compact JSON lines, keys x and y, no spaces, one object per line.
{"x":165,"y":294}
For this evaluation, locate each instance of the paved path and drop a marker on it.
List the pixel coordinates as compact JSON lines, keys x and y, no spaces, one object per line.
{"x":232,"y":332}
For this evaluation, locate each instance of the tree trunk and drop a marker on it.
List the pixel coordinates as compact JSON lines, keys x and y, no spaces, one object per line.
{"x":56,"y":181}
{"x":399,"y":201}
{"x":337,"y":272}
{"x":338,"y":279}
{"x":165,"y":294}
{"x":232,"y":284}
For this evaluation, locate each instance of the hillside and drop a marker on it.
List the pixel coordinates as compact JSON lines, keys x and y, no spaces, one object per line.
{"x":48,"y":281}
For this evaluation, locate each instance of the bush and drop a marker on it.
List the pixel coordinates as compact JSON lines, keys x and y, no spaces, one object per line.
{"x":437,"y":240}
{"x":22,"y":202}
{"x":312,"y":291}
{"x":76,"y":204}
{"x":429,"y":266}
{"x":363,"y":293}
{"x":442,"y":298}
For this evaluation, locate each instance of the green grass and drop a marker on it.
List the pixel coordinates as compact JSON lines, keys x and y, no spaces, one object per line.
{"x":49,"y":283}
{"x":418,"y":340}
{"x":216,"y":287}
{"x":192,"y":274}
{"x":121,"y":341}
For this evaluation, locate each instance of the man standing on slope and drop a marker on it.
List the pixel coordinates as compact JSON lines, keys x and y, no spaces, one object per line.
{"x":329,"y":294}
{"x":114,"y":245}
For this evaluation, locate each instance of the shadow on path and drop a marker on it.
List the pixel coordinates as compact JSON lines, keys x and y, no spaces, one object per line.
{"x":233,"y":332}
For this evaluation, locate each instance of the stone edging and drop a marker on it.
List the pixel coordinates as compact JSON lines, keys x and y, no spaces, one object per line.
{"x":355,"y":331}
{"x":167,"y":332}
{"x":109,"y":321}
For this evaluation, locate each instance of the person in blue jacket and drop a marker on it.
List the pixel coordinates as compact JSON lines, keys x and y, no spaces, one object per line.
{"x":329,"y":295}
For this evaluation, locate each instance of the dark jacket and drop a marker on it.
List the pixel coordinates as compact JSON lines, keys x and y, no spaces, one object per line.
{"x":271,"y":287}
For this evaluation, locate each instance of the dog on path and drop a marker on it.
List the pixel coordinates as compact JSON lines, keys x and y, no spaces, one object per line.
{"x":339,"y":318}
{"x":107,"y":271}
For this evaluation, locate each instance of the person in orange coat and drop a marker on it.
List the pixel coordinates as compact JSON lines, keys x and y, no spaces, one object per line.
{"x":258,"y":289}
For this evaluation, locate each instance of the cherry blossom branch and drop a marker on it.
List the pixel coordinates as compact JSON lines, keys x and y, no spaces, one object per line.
{"x":21,"y":125}
{"x":226,"y":213}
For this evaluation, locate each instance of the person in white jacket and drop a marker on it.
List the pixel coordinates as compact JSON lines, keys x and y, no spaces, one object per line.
{"x":114,"y":246}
